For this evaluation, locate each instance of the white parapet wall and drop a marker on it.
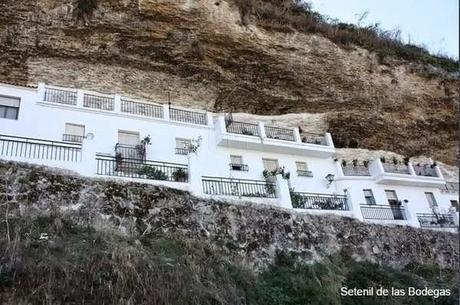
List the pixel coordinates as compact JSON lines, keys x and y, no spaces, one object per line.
{"x":39,"y":135}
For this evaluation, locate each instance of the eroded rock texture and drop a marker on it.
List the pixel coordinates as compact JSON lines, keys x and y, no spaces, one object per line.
{"x":201,"y":53}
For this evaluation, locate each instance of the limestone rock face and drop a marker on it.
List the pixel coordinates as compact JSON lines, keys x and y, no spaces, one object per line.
{"x":248,"y":232}
{"x":201,"y":53}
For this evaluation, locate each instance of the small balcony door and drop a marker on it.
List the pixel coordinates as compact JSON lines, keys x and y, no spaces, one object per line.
{"x":395,"y":204}
{"x":432,"y":202}
{"x":127,"y":142}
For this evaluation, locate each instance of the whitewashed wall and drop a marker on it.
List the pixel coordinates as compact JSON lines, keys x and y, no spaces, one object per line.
{"x":39,"y":119}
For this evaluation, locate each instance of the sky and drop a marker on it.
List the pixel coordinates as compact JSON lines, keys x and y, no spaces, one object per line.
{"x":432,"y":23}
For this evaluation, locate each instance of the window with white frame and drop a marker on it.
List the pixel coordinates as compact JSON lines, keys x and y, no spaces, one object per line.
{"x":236,"y":163}
{"x":182,"y":146}
{"x":9,"y":107}
{"x":270,"y":164}
{"x":74,"y":133}
{"x":302,"y":169}
{"x":369,"y":197}
{"x":431,"y":200}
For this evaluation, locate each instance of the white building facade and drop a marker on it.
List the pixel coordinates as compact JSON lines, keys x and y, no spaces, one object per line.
{"x":213,"y":156}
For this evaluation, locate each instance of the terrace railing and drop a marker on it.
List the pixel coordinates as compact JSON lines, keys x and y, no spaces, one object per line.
{"x":358,"y":170}
{"x":396,"y":168}
{"x":187,"y":116}
{"x":143,"y":109}
{"x":72,"y":138}
{"x":436,"y":220}
{"x":450,"y":187}
{"x":279,"y":133}
{"x":247,"y":129}
{"x":182,"y":151}
{"x":382,"y":212}
{"x":427,"y":171}
{"x":147,"y":169}
{"x":318,"y":201}
{"x":313,"y":138}
{"x":134,"y":152}
{"x":239,"y":167}
{"x":304,"y":173}
{"x":20,"y":147}
{"x":238,"y":187}
{"x":61,"y":96}
{"x":98,"y":102}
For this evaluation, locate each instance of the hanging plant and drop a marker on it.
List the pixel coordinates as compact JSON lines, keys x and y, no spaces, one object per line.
{"x":344,"y":163}
{"x":395,"y":161}
{"x":366,"y":163}
{"x":383,"y":159}
{"x":355,"y":162}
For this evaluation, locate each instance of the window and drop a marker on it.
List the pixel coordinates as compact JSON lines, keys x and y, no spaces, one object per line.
{"x":126,"y":147}
{"x":128,"y":138}
{"x":270,"y":164}
{"x":302,"y":169}
{"x":9,"y":107}
{"x":182,"y":146}
{"x":236,"y":163}
{"x":431,"y":200}
{"x":369,"y":197}
{"x":74,"y":133}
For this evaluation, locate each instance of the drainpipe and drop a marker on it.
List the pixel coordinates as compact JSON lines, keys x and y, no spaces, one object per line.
{"x":88,"y":165}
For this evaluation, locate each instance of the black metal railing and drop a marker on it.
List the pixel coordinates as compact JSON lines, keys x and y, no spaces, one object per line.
{"x":279,"y":133}
{"x":182,"y":151}
{"x":450,"y":187}
{"x":239,"y":167}
{"x":383,"y":212}
{"x":143,"y":169}
{"x":61,"y":96}
{"x":187,"y":116}
{"x":144,"y":109}
{"x":358,"y":170}
{"x":426,"y":170}
{"x":318,"y":201}
{"x":304,"y":173}
{"x":238,"y":187}
{"x":30,"y":148}
{"x":72,"y":138}
{"x":135,"y":152}
{"x":396,"y":168}
{"x":313,"y":138}
{"x":98,"y":102}
{"x":247,"y":129}
{"x":436,"y":220}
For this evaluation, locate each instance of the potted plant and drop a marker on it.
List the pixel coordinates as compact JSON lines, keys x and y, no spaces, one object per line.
{"x":141,"y":147}
{"x":152,"y":173}
{"x":434,"y":164}
{"x":180,"y":175}
{"x":406,"y":161}
{"x":383,"y":159}
{"x":395,"y":160}
{"x":366,"y":163}
{"x":344,"y":163}
{"x":355,"y":162}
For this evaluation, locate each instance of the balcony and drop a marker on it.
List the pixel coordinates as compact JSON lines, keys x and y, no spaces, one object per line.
{"x":243,"y":135}
{"x":319,"y":201}
{"x":436,"y":220}
{"x":304,"y":173}
{"x":72,"y":138}
{"x":450,"y":188}
{"x":238,"y":187}
{"x":141,"y":169}
{"x":239,"y":167}
{"x":404,"y":174}
{"x":358,"y":170}
{"x":382,"y":212}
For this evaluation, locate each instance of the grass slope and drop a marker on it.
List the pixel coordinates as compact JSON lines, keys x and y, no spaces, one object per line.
{"x":79,"y":265}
